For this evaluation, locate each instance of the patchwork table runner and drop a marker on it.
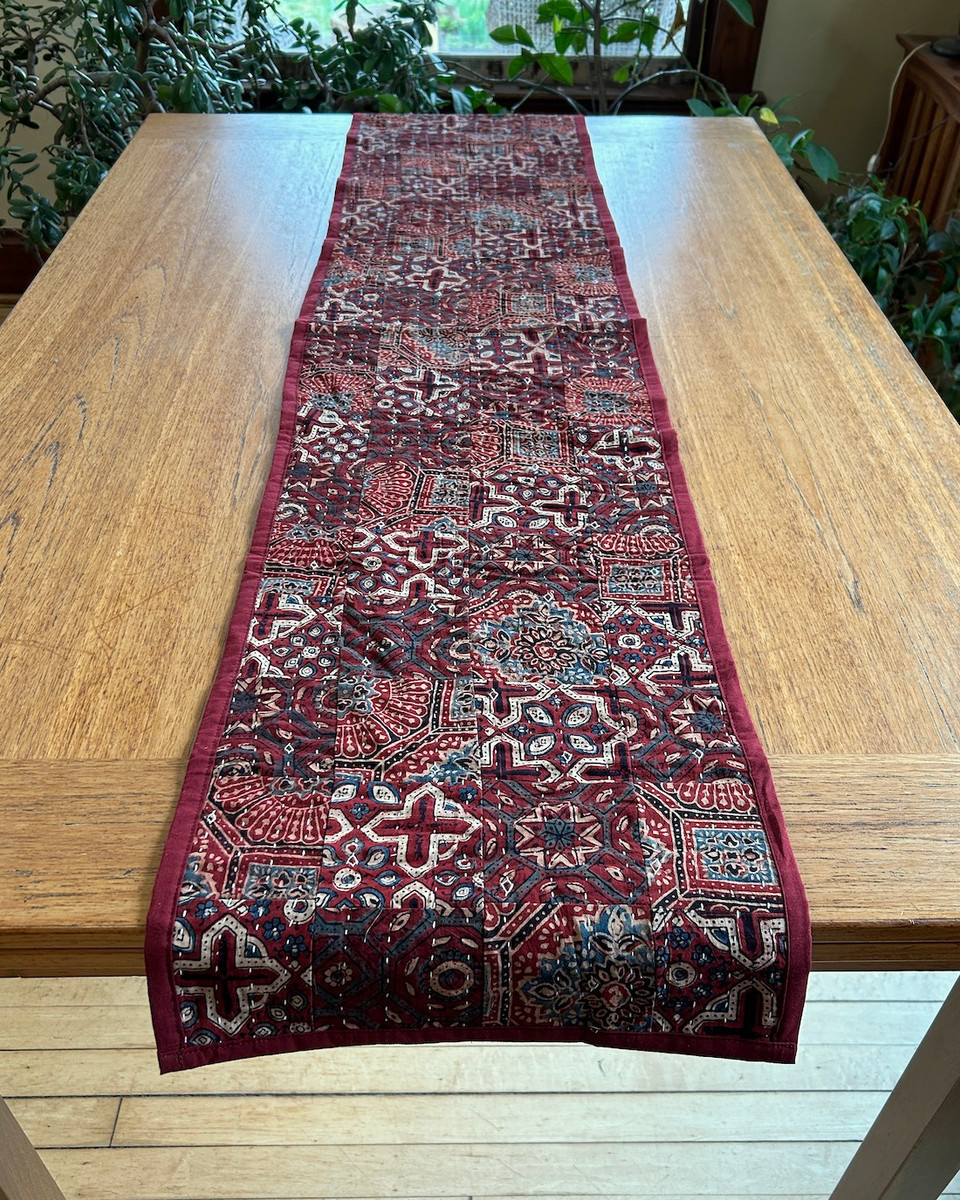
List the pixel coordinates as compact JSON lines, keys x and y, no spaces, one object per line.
{"x":476,"y":764}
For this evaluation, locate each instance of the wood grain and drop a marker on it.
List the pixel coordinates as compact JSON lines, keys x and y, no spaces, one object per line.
{"x":146,"y":388}
{"x":40,"y":993}
{"x":76,"y":1121}
{"x":505,"y":1120}
{"x":825,"y":471}
{"x":22,"y":1174}
{"x":451,"y":1070}
{"x":482,"y":1170}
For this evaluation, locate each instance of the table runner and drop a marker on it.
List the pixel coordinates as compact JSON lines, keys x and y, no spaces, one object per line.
{"x":476,"y":764}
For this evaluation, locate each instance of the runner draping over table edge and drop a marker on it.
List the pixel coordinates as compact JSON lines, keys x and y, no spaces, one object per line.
{"x":476,"y":764}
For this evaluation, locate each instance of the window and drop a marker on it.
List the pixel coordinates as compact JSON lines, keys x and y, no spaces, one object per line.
{"x":463,"y":25}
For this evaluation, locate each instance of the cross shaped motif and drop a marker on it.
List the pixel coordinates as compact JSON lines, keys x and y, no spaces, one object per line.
{"x":625,"y":443}
{"x":233,"y":973}
{"x":486,"y":507}
{"x":425,"y":544}
{"x":430,"y":826}
{"x":570,"y":512}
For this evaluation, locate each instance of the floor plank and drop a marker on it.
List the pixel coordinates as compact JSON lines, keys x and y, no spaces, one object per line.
{"x":208,"y":1173}
{"x":448,"y":1070}
{"x":880,"y":985}
{"x":78,"y":991}
{"x":430,"y":1120}
{"x":73,"y":1121}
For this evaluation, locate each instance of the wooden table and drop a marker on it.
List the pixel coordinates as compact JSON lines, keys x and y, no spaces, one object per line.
{"x":141,"y":378}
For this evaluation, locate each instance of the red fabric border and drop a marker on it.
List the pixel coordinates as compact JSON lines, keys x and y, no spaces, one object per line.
{"x":172,"y":1055}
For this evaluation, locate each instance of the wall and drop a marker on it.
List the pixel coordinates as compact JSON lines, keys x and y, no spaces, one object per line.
{"x":840,"y":57}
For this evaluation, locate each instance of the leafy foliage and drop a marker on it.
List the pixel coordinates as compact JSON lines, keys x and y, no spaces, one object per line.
{"x":383,"y":63}
{"x":587,"y":28}
{"x":912,"y":271}
{"x":584,"y":29}
{"x":98,"y":68}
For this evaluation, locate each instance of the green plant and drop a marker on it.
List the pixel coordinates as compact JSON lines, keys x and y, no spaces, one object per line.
{"x":97,"y":68}
{"x":383,"y":63}
{"x":798,"y":152}
{"x":585,"y":28}
{"x":913,"y":273}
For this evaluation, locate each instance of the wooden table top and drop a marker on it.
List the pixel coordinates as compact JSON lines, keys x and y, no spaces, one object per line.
{"x":141,"y":375}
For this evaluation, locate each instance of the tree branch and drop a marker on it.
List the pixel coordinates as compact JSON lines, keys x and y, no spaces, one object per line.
{"x":532,"y":85}
{"x":62,"y":81}
{"x":719,"y":90}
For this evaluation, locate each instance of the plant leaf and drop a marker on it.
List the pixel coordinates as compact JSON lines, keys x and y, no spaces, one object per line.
{"x":700,"y":109}
{"x":565,"y":9}
{"x":649,"y":29}
{"x":782,"y":147}
{"x":557,"y":67}
{"x":626,"y":31}
{"x":508,"y":35}
{"x":822,"y":161}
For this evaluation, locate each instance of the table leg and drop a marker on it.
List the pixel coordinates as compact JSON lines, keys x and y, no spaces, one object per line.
{"x":22,"y":1173}
{"x":912,"y":1150}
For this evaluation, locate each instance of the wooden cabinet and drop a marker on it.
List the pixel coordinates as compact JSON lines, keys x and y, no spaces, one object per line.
{"x":920,"y":155}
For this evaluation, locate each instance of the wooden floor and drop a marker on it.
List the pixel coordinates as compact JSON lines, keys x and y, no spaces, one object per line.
{"x":77,"y":1066}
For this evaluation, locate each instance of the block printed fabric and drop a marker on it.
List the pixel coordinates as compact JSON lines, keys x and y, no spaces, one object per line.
{"x":476,"y":764}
